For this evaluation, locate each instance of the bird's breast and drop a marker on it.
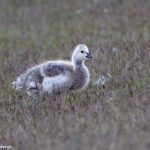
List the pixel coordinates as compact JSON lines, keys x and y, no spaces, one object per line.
{"x":80,"y":78}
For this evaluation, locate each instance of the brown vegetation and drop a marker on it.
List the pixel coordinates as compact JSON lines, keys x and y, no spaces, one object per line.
{"x":114,"y":117}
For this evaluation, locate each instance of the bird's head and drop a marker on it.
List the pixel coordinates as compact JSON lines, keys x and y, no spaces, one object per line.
{"x":81,"y":53}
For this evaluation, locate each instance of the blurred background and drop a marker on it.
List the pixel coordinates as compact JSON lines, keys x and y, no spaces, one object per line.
{"x":113,"y":116}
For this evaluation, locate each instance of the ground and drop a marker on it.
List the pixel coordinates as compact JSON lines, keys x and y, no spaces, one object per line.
{"x":115,"y":116}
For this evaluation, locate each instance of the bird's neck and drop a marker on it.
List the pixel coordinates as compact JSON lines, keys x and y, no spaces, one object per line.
{"x":81,"y":75}
{"x":77,"y":63}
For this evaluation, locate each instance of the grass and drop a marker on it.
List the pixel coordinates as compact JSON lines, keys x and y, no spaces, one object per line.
{"x":115,"y":117}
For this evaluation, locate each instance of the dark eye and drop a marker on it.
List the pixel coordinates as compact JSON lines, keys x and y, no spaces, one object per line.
{"x":82,"y":51}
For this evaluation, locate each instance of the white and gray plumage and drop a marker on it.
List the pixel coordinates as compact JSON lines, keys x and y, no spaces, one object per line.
{"x":56,"y":76}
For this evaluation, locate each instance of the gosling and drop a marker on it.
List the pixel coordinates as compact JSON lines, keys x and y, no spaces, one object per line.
{"x":56,"y":76}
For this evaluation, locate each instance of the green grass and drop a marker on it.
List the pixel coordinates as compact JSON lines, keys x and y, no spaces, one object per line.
{"x":115,"y":117}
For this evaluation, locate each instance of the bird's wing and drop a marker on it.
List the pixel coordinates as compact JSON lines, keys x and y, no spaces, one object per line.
{"x":53,"y":69}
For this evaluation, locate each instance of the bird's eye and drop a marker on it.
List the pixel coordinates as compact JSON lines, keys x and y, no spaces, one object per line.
{"x":82,"y":51}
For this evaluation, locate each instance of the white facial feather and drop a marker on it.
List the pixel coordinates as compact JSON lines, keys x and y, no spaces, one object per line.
{"x":80,"y":53}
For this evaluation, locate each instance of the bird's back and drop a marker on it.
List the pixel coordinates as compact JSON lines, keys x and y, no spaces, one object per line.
{"x":54,"y":68}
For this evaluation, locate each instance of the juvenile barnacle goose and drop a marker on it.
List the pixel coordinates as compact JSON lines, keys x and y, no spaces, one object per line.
{"x":56,"y":76}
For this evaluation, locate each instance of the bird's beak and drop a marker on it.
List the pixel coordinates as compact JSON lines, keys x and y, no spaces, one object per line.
{"x":89,"y":55}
